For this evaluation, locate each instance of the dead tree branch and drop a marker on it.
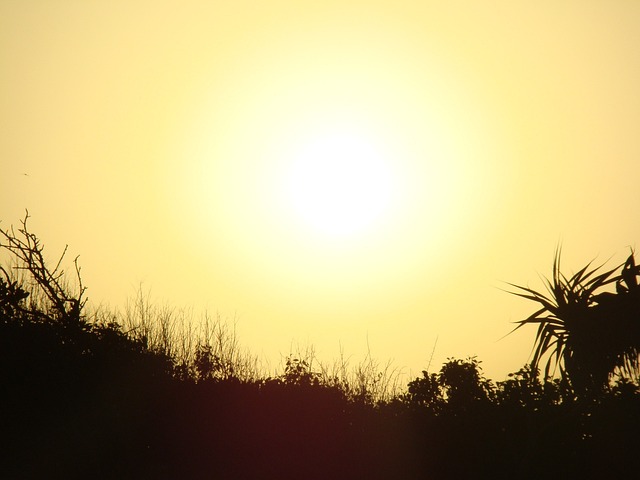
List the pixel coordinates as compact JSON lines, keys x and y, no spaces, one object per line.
{"x":28,"y":251}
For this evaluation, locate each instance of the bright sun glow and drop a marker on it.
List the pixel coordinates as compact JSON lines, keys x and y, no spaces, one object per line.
{"x":339,"y":183}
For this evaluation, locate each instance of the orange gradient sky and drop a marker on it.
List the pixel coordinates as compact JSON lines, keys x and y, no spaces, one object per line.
{"x":332,"y":173}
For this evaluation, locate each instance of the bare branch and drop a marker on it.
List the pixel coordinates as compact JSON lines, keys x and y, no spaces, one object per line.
{"x":27,"y":250}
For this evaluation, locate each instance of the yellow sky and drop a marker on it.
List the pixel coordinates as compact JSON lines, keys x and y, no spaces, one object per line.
{"x":159,"y":139}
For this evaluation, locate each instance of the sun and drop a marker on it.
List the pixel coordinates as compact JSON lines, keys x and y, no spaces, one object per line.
{"x":340,"y":183}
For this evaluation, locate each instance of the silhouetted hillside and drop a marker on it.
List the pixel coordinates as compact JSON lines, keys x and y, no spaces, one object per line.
{"x":83,"y":398}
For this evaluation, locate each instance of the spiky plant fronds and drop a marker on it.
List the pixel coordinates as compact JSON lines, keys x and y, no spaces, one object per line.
{"x":586,"y":333}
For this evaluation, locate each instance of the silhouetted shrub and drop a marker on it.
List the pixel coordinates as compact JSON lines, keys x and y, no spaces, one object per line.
{"x":589,"y":333}
{"x":426,"y":392}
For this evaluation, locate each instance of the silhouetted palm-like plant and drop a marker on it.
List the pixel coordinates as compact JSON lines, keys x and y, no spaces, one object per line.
{"x":586,"y":333}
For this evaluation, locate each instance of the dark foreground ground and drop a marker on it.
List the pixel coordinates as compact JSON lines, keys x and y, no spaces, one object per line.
{"x":82,"y":401}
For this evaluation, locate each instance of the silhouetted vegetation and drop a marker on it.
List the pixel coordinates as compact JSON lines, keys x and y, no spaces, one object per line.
{"x":590,"y":334}
{"x":144,"y":394}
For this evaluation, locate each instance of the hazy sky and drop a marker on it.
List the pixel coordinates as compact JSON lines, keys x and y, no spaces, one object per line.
{"x":197,"y":147}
